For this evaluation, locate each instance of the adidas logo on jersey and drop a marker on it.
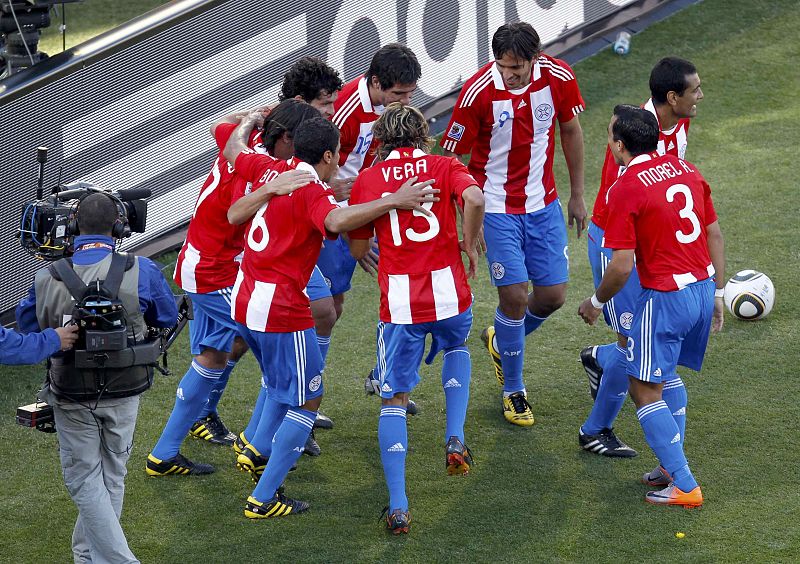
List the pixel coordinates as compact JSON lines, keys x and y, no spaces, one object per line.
{"x":452,"y":383}
{"x":396,"y":447}
{"x":675,"y":439}
{"x":671,"y":146}
{"x":681,"y":411}
{"x":386,"y":388}
{"x":522,"y":104}
{"x":657,"y":373}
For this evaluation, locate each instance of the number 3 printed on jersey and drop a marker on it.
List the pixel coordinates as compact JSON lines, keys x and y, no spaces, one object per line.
{"x":686,"y":213}
{"x":430,"y":233}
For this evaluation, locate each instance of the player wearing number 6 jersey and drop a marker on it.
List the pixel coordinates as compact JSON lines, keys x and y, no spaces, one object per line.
{"x":660,"y":211}
{"x":268,"y":302}
{"x":424,"y":289}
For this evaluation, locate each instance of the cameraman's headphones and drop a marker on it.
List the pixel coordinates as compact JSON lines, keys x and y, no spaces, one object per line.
{"x":120,"y":228}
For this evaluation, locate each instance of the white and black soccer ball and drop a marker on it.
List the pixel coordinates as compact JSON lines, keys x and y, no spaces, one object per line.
{"x":749,"y":295}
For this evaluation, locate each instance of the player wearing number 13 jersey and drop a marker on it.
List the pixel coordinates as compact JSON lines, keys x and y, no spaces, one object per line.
{"x":660,"y":210}
{"x":424,"y":289}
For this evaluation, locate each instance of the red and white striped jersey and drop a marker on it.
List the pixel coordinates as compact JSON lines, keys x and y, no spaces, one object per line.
{"x":661,"y":207}
{"x":282,"y":244}
{"x":511,"y":133}
{"x":354,"y":115}
{"x":671,"y":142}
{"x":209,"y":258}
{"x":420,"y":273}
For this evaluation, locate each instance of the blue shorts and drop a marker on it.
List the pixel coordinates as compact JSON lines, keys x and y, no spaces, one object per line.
{"x":337,"y":265}
{"x":400,"y":349}
{"x":212,"y":326}
{"x":618,"y":311}
{"x":670,"y":328}
{"x":531,"y":246}
{"x":317,"y":288}
{"x":290,"y":362}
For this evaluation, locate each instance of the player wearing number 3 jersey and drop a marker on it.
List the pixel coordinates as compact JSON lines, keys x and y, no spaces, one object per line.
{"x":660,"y":211}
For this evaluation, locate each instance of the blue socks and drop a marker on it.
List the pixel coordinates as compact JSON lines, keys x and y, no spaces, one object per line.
{"x":393,"y":442}
{"x":611,"y":395}
{"x":605,"y":354}
{"x":191,"y":396}
{"x":532,"y":322}
{"x":252,"y":425}
{"x":272,"y":416}
{"x":510,"y":336}
{"x":324,"y":344}
{"x":216,"y":391}
{"x":290,"y":439}
{"x":664,"y":438}
{"x":674,"y":395}
{"x":456,"y":372}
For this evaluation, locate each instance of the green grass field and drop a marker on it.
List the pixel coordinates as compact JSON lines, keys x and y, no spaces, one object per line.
{"x":533,"y":495}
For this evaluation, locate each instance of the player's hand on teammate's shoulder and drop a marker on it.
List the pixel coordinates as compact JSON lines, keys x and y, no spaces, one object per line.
{"x":576,"y":213}
{"x":412,"y":194}
{"x":342,"y":187}
{"x":719,"y":315}
{"x":287,"y":182}
{"x":588,"y":312}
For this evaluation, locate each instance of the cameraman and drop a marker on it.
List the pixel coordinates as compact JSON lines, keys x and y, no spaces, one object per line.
{"x":96,"y":433}
{"x":16,"y":348}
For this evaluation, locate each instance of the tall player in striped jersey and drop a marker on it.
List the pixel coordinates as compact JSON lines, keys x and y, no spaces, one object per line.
{"x":424,"y":290}
{"x":675,"y":91}
{"x":506,"y":117}
{"x":392,"y":77}
{"x":660,"y":211}
{"x":268,"y":302}
{"x":206,"y":269}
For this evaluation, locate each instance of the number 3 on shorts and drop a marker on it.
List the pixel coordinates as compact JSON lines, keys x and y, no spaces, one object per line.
{"x":629,"y":355}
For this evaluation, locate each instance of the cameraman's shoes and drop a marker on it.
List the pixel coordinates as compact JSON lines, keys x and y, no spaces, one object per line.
{"x":673,"y":495}
{"x":517,"y":410}
{"x":212,"y":429}
{"x":458,"y":458}
{"x":487,"y":336}
{"x":278,"y":506}
{"x":593,"y":369}
{"x":240,"y":443}
{"x":178,"y":465}
{"x":605,"y":443}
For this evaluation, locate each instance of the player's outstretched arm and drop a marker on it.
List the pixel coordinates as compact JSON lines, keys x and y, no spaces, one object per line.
{"x":410,"y":196}
{"x":471,"y":226}
{"x":716,"y":249}
{"x":572,"y":145}
{"x":613,"y":280}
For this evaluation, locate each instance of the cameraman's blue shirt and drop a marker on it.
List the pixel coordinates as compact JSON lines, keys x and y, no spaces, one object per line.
{"x":155,"y":296}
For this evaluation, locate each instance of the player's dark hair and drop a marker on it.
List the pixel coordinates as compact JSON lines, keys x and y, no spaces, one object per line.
{"x":313,"y":137}
{"x":669,"y":75}
{"x":394,"y":64}
{"x":309,"y":78}
{"x":519,"y":39}
{"x":401,"y":126}
{"x":284,"y":119}
{"x":97,"y":214}
{"x":636,"y":128}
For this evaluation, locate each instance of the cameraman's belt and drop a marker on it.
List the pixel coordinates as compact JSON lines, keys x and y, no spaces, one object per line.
{"x":139,"y":355}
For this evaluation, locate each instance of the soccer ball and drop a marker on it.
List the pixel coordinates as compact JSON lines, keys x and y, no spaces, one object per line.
{"x":749,"y":295}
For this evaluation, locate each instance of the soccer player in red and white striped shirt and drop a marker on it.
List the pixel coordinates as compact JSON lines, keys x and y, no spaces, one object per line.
{"x":392,"y":77}
{"x":282,"y":243}
{"x":424,"y":289}
{"x":506,"y":118}
{"x":661,"y":213}
{"x":675,"y":92}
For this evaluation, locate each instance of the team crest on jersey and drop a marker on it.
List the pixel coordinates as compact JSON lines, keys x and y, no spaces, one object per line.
{"x":456,"y":131}
{"x":498,"y":270}
{"x":543,"y":112}
{"x":626,"y":319}
{"x":315,"y":383}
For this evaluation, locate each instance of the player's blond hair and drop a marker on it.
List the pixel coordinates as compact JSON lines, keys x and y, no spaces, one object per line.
{"x":401,"y":126}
